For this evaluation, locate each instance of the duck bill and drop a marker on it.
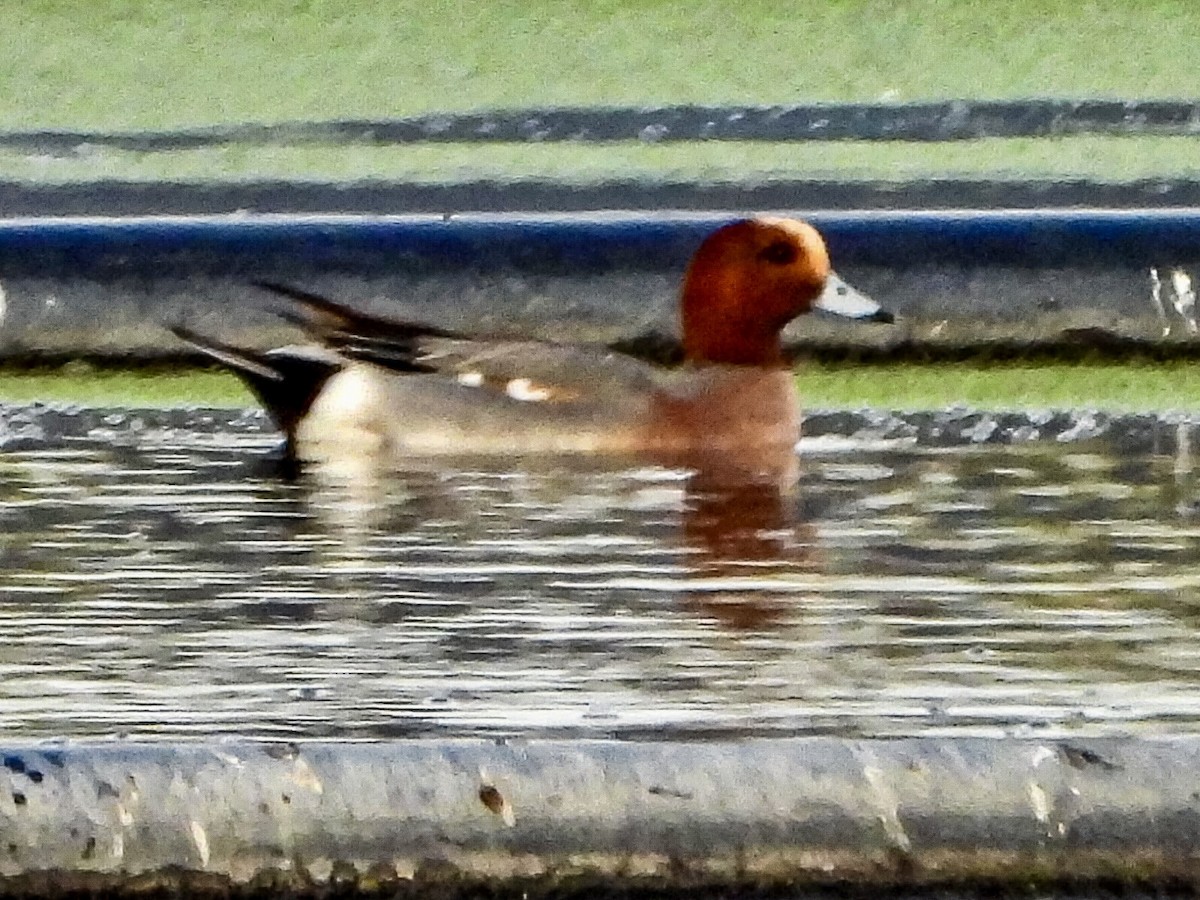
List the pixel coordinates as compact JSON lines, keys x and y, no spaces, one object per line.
{"x":841,"y":299}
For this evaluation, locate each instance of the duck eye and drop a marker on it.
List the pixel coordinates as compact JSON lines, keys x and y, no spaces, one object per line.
{"x":780,"y":253}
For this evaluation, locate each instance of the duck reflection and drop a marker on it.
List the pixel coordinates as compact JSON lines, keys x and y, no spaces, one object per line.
{"x":724,"y":533}
{"x":737,"y":531}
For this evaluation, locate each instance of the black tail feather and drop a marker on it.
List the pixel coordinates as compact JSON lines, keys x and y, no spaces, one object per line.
{"x":252,"y":367}
{"x":329,"y":321}
{"x":286,"y":381}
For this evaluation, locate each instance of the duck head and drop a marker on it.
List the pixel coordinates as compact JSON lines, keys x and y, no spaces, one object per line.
{"x":748,"y":280}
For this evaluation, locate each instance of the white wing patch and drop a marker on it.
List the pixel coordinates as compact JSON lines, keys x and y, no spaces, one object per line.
{"x":525,"y":389}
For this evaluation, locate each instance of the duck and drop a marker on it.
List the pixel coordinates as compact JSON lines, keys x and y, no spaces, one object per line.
{"x":383,"y":392}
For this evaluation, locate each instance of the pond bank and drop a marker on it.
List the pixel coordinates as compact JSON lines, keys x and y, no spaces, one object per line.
{"x":108,"y":286}
{"x":447,"y":816}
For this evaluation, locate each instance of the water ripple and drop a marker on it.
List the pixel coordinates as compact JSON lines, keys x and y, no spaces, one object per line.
{"x":931,"y":575}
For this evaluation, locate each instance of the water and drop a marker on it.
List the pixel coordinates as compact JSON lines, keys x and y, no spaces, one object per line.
{"x":947,"y":573}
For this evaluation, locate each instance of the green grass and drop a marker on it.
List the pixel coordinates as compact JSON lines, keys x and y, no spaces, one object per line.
{"x":1106,"y":386}
{"x":130,"y":64}
{"x":158,"y":63}
{"x":1096,"y":157}
{"x":1116,"y":388}
{"x":79,"y":384}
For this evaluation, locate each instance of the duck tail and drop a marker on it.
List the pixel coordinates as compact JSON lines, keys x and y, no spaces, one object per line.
{"x":335,"y":323}
{"x":255,"y":369}
{"x":286,"y":381}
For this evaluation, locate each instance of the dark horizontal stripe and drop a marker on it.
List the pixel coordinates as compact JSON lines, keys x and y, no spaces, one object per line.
{"x":939,"y":121}
{"x":123,"y":198}
{"x":256,"y":246}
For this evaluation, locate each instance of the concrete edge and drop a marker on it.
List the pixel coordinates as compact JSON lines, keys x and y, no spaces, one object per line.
{"x":814,"y":810}
{"x":955,"y":277}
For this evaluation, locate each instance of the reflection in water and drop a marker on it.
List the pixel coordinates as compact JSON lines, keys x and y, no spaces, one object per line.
{"x":161,"y":580}
{"x":748,"y":530}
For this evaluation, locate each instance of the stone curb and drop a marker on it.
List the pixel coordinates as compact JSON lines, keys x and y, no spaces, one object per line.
{"x":819,"y":810}
{"x":108,"y":285}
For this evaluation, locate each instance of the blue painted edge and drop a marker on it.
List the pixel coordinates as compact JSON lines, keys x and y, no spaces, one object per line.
{"x":580,"y":243}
